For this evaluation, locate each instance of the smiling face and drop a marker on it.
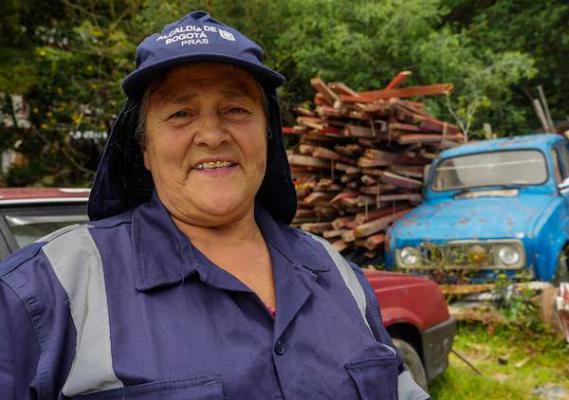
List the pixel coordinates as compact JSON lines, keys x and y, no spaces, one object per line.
{"x":205,"y":143}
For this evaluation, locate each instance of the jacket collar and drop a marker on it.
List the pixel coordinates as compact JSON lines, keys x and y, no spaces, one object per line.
{"x":292,"y":244}
{"x":164,"y":256}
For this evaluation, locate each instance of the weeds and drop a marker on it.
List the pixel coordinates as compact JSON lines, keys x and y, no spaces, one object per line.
{"x":515,"y":364}
{"x":519,"y":306}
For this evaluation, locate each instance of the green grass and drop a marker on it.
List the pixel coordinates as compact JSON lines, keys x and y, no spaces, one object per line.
{"x":530,"y":360}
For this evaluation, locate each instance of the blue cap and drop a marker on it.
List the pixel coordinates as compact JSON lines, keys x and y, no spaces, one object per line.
{"x":196,"y":37}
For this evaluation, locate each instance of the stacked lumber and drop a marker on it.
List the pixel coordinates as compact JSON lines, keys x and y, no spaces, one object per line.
{"x":358,"y":165}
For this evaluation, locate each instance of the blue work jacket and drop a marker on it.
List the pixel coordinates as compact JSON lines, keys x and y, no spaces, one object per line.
{"x":125,"y":307}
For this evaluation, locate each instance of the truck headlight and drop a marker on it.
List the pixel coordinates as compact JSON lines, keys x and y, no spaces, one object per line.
{"x":509,"y":255}
{"x":477,"y":254}
{"x":410,"y":256}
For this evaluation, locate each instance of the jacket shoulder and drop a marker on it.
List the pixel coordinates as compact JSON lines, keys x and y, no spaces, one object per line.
{"x":18,"y":258}
{"x":31,"y":251}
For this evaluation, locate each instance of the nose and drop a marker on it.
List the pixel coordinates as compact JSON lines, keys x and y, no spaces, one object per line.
{"x":210,"y":131}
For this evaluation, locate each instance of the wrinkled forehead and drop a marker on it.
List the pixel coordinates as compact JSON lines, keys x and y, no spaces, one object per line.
{"x":193,"y":78}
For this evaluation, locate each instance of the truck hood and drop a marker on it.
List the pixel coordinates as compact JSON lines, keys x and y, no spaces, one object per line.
{"x":480,"y":218}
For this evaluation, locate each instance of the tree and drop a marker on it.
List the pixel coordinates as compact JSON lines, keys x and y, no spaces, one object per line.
{"x":365,"y":43}
{"x":537,"y":28}
{"x":65,"y":54}
{"x":68,"y":59}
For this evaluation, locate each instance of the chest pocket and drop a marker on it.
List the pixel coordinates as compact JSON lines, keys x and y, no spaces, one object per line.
{"x":200,"y":388}
{"x":376,"y":377}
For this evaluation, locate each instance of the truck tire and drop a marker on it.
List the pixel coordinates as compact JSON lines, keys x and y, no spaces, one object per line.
{"x":549,"y":313}
{"x":413,"y":362}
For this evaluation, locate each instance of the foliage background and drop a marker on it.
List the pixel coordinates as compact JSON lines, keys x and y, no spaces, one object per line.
{"x":68,"y":57}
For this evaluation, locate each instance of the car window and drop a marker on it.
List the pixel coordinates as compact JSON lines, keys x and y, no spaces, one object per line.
{"x":27,"y":229}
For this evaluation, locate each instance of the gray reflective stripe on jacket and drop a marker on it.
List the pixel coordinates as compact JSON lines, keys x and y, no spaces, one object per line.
{"x":406,"y":387}
{"x":77,"y":264}
{"x":348,"y":275}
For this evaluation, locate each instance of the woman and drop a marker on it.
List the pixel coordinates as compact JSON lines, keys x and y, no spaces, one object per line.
{"x":188,"y":283}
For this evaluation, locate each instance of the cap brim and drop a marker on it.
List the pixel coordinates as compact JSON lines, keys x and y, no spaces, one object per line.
{"x":135,"y":83}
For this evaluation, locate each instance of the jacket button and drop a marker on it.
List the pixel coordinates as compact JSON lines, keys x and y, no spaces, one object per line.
{"x":280,"y":347}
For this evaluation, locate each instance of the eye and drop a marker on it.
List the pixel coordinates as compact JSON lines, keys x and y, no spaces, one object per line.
{"x":180,"y":114}
{"x":237,"y":110}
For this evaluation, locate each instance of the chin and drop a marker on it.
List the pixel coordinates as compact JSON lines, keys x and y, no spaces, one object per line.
{"x":225,"y":204}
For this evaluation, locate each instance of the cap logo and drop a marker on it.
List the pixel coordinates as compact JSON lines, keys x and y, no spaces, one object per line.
{"x":197,"y":36}
{"x":188,"y":35}
{"x":227,"y":35}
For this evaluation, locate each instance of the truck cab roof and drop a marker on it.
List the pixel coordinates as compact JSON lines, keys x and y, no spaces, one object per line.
{"x":535,"y":141}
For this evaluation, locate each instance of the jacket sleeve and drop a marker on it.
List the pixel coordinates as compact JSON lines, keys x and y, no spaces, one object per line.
{"x":406,"y":386}
{"x":19,"y":349}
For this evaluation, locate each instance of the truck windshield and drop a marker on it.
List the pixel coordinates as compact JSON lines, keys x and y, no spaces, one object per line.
{"x":499,"y":168}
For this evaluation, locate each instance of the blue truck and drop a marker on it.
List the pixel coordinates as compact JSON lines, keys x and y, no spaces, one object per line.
{"x":491,"y":207}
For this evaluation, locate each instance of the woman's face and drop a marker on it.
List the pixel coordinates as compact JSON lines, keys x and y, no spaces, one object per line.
{"x":205,"y":143}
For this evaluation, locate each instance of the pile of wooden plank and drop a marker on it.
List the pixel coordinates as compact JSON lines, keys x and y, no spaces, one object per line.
{"x":358,"y":165}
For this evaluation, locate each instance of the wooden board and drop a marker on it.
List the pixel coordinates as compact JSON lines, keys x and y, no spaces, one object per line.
{"x":398,"y":80}
{"x":377,"y":225}
{"x":401,"y":181}
{"x":324,"y":90}
{"x":307,"y":161}
{"x":375,"y":241}
{"x":411,"y":91}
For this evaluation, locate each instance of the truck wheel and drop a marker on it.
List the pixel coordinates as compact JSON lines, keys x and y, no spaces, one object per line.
{"x":413,"y":362}
{"x":549,"y":312}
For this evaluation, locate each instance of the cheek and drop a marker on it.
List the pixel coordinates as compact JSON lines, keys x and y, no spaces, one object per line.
{"x":165,"y":150}
{"x":257,"y":152}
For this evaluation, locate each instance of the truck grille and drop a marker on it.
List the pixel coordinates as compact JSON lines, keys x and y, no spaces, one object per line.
{"x":458,"y":256}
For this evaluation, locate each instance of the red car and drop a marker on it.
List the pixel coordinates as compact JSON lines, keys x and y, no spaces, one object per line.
{"x":413,"y":309}
{"x":416,"y":316}
{"x":27,"y":214}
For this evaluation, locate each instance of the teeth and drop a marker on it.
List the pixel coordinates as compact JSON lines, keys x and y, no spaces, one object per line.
{"x":214,"y":164}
